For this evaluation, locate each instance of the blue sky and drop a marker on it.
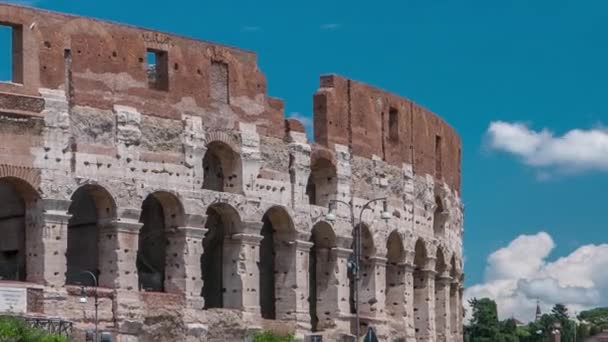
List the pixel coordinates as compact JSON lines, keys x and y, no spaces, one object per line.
{"x":540,"y":63}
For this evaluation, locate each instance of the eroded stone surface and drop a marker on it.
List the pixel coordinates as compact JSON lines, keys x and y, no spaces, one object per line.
{"x":202,"y":210}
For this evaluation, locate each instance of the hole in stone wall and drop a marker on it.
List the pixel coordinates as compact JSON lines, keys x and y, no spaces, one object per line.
{"x":157,"y":68}
{"x":221,"y":166}
{"x":12,"y":230}
{"x":438,"y":159}
{"x":320,"y":266}
{"x":212,"y":260}
{"x":11,"y":53}
{"x":83,"y":235}
{"x":439,"y":218}
{"x":393,"y":124}
{"x":152,"y":246}
{"x":267,"y":271}
{"x":322,"y":183}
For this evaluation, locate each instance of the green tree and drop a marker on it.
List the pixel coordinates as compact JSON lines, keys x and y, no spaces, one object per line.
{"x":560,"y":314}
{"x":484,"y":326}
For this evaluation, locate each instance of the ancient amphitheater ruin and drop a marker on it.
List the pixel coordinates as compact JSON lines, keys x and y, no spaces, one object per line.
{"x":159,"y":164}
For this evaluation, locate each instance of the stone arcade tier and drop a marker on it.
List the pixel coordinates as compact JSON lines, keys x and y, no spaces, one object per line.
{"x":160,"y":164}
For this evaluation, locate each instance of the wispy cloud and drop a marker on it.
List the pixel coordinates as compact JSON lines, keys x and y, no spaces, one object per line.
{"x":577,"y":150}
{"x":330,"y":26}
{"x":251,"y":29}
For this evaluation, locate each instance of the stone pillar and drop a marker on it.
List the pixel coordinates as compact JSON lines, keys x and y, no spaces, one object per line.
{"x":454,"y":309}
{"x":341,"y":315}
{"x":241,"y":273}
{"x":300,"y":268}
{"x":183,"y":262}
{"x":442,"y":308}
{"x":118,"y":262}
{"x":397,"y":302}
{"x":410,"y":324}
{"x":371,"y":289}
{"x":47,"y":246}
{"x":424,"y":305}
{"x":291,"y":281}
{"x":299,"y":167}
{"x":460,"y":312}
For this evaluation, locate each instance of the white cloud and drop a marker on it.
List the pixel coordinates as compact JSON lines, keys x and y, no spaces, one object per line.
{"x":330,"y":26}
{"x":576,"y":150}
{"x":519,"y":274}
{"x":306,"y":120}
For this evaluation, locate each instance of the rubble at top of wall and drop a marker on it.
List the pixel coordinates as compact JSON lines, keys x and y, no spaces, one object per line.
{"x":101,"y":64}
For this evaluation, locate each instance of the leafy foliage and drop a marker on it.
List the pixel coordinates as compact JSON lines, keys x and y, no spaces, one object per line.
{"x":268,"y":336}
{"x":13,"y":329}
{"x":485,"y":326}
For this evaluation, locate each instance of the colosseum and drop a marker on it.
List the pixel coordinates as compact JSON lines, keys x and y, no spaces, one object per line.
{"x":159,"y":164}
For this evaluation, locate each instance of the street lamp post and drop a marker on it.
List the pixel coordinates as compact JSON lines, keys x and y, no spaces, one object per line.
{"x":83,"y":299}
{"x":331,"y":216}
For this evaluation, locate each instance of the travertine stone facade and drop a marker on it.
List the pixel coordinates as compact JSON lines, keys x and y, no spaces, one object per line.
{"x":160,"y":164}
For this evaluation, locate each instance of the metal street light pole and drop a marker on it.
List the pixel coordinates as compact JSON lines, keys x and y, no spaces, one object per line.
{"x":385,"y":215}
{"x":96,"y":301}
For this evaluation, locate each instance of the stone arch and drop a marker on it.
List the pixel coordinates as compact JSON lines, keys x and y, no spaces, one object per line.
{"x":217,"y":266}
{"x":277,"y":253}
{"x":222,"y":165}
{"x":367,"y":253}
{"x":18,"y":211}
{"x":322,"y":285}
{"x":439,"y":218}
{"x":395,"y":276}
{"x":92,"y":208}
{"x":322,"y":183}
{"x":161,"y":213}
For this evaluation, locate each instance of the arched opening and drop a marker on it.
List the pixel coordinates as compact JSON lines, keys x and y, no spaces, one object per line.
{"x":276,"y":261}
{"x":366,"y":271}
{"x":441,"y":297}
{"x":322,"y":300}
{"x":395,"y":277}
{"x":222,"y":220}
{"x":421,"y":314}
{"x":18,"y":199}
{"x":439,"y":218}
{"x":222,"y":168}
{"x":92,"y":207}
{"x":322,"y":182}
{"x":160,"y":213}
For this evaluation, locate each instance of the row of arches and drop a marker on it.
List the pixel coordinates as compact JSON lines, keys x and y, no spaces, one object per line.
{"x":92,"y":212}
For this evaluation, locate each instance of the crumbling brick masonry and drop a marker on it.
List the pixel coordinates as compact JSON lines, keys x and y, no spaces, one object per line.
{"x":160,"y":164}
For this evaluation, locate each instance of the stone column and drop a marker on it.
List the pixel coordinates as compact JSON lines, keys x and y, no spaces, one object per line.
{"x":442,"y":308}
{"x":241,"y":273}
{"x":410,"y":324}
{"x":372,"y":298}
{"x":460,"y":313}
{"x":47,"y":245}
{"x":341,"y":315}
{"x":454,"y":311}
{"x":424,"y":305}
{"x":291,"y":281}
{"x":118,"y":264}
{"x":397,"y":304}
{"x":183,"y":262}
{"x":300,"y":270}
